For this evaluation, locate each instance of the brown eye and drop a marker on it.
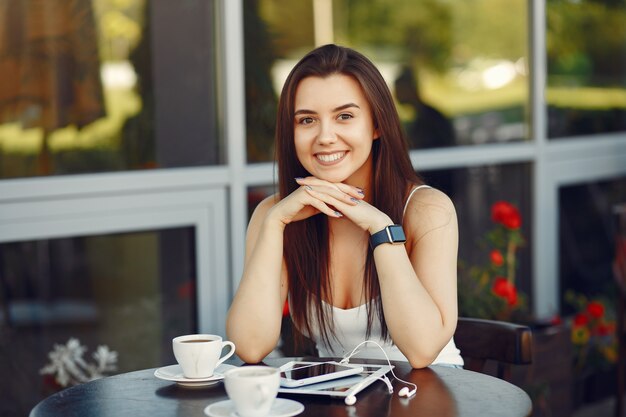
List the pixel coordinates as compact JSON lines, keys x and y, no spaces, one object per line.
{"x":305,"y":121}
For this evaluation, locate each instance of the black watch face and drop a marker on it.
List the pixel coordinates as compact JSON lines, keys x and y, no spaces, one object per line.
{"x":397,"y":234}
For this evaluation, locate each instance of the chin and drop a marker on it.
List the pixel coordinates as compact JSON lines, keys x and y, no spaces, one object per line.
{"x":333,"y":178}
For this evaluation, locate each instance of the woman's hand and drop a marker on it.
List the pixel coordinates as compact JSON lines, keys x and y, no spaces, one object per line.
{"x":341,"y":200}
{"x":302,"y":204}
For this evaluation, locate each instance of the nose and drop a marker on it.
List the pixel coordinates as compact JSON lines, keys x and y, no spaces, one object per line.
{"x":326,"y":134}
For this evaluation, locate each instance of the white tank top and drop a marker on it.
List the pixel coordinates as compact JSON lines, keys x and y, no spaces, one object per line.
{"x":350,"y":328}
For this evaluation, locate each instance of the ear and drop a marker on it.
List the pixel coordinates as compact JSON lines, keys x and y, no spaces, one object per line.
{"x":376,"y":134}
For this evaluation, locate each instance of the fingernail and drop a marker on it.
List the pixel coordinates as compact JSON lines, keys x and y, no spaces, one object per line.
{"x":354,"y":200}
{"x":338,"y":214}
{"x":308,"y":187}
{"x":298,"y":178}
{"x":360,"y":191}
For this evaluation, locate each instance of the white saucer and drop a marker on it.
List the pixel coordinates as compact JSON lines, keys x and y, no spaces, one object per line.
{"x":282,"y":407}
{"x":175,"y":373}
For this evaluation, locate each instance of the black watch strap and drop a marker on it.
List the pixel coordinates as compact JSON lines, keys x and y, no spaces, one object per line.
{"x":390,"y":234}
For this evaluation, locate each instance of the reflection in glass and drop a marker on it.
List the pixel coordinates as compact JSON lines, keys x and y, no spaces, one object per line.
{"x":474,"y":190}
{"x":458,"y":69}
{"x":586,"y":238}
{"x":84,"y":83}
{"x":132,"y":292}
{"x":586,"y":51}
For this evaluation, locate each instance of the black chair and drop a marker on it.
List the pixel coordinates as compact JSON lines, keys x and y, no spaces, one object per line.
{"x":504,"y":343}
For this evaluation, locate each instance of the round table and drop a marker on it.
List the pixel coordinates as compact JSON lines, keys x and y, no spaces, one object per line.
{"x":442,"y":391}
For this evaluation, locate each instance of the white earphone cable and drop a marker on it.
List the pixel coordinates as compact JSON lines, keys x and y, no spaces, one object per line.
{"x":404,"y":391}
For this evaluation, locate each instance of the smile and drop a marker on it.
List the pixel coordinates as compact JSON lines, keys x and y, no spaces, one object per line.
{"x":330,"y":158}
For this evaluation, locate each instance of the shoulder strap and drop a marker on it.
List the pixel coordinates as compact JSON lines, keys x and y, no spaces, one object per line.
{"x":411,"y":195}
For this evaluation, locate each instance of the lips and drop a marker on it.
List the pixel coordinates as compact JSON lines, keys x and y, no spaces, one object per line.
{"x":330,"y":158}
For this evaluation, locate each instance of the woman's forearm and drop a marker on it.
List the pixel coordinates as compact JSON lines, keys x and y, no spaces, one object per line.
{"x":418,"y":325}
{"x":254,"y":319}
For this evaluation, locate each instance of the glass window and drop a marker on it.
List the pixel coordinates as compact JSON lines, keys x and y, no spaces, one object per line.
{"x":102,"y":85}
{"x":132,"y":292}
{"x":454,"y":81}
{"x":474,"y":191}
{"x":586,"y":51}
{"x":586,"y":238}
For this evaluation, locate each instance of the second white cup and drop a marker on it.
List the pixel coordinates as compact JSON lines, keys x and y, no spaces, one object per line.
{"x":199,"y":354}
{"x":252,"y":389}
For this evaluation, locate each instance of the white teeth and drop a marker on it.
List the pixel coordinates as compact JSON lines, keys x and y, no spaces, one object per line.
{"x":331,"y":157}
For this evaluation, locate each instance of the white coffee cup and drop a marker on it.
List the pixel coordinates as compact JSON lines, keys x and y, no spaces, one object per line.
{"x":199,"y":354}
{"x":252,"y":389}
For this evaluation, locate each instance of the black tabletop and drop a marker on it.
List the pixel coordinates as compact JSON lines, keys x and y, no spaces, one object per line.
{"x":442,"y":391}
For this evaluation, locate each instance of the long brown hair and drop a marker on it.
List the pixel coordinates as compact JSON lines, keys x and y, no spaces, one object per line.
{"x":306,"y":243}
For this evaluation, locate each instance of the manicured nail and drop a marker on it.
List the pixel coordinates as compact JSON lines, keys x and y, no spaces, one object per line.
{"x":308,"y":187}
{"x":360,"y":191}
{"x":354,"y":200}
{"x":338,"y":214}
{"x":298,"y":178}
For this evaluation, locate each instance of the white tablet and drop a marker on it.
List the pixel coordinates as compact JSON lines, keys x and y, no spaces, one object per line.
{"x":298,"y":374}
{"x":342,"y":387}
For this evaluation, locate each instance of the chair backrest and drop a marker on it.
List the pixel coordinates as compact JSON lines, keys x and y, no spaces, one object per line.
{"x":490,"y":340}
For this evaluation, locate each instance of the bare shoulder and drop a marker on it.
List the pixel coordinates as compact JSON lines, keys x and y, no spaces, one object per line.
{"x":256,"y":221}
{"x":266,"y":204}
{"x":429,"y":209}
{"x":259,"y":213}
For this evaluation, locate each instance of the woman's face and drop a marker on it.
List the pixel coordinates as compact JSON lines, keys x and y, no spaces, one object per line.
{"x":334,"y":129}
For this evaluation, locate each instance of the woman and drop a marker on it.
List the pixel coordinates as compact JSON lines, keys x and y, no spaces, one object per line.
{"x":324,"y":241}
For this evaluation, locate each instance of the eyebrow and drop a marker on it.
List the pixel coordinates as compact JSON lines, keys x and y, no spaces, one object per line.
{"x":342,"y":107}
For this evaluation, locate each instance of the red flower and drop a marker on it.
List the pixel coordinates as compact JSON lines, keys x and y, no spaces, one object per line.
{"x":581,"y":319}
{"x":503,"y":288}
{"x":604,"y":329}
{"x":186,"y":290}
{"x":496,"y":257}
{"x":595,"y":309}
{"x":506,"y":214}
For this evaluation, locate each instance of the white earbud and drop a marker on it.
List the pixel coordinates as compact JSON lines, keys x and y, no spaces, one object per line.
{"x":404,"y":392}
{"x":350,"y":400}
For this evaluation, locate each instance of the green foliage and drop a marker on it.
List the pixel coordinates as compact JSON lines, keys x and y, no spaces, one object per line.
{"x":583,"y":39}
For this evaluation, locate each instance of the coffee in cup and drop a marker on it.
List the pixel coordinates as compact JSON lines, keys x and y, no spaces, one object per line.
{"x":252,"y":389}
{"x":199,"y":354}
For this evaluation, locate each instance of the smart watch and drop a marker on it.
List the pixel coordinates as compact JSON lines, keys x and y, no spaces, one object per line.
{"x":390,"y":234}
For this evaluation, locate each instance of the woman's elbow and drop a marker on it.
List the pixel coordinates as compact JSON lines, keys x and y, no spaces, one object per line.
{"x":425,"y":355}
{"x":250,"y":349}
{"x":251,"y":355}
{"x":418,"y":361}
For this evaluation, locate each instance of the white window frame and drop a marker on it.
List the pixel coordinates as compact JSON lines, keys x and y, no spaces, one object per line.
{"x":86,"y":205}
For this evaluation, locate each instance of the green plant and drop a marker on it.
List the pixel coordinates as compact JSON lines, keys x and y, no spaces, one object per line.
{"x":489,"y":291}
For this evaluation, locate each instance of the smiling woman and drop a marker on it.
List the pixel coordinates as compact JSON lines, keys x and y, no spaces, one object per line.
{"x":328,"y":242}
